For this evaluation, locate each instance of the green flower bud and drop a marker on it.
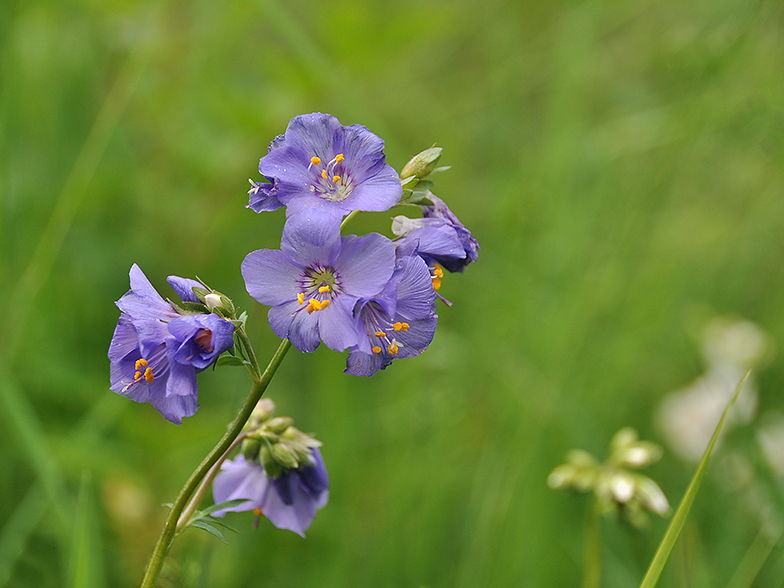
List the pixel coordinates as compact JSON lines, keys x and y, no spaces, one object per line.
{"x":285,"y":456}
{"x":263,"y":410}
{"x":422,"y":164}
{"x":250,"y":449}
{"x":271,"y":467}
{"x":279,"y":424}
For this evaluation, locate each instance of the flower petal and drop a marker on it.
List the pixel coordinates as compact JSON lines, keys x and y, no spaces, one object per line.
{"x":271,"y":276}
{"x":365,"y":264}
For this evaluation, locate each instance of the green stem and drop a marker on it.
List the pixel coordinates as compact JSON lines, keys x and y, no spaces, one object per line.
{"x":170,"y":527}
{"x":205,"y":483}
{"x":592,"y":570}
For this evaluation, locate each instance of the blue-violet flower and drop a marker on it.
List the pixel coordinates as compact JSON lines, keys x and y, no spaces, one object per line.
{"x":156,"y":352}
{"x":316,"y":278}
{"x":289,"y":501}
{"x":443,"y":239}
{"x":320,"y":163}
{"x":398,"y":323}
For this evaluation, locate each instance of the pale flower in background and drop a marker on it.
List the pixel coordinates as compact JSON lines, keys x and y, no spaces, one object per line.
{"x":688,"y":417}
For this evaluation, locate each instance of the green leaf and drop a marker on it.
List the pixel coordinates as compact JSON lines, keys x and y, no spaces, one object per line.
{"x":679,"y":519}
{"x":209,"y":528}
{"x":222,"y":505}
{"x":220,"y":523}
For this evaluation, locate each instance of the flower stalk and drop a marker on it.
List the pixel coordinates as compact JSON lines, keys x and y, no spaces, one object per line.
{"x":170,"y":526}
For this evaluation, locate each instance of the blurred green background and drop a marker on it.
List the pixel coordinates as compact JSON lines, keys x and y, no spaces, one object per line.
{"x":620,"y":163}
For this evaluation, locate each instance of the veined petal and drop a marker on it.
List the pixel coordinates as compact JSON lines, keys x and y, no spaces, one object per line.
{"x":182,"y":380}
{"x":271,"y":276}
{"x":240,"y":479}
{"x":304,"y":330}
{"x":124,"y":341}
{"x":378,"y":193}
{"x":365,"y":264}
{"x":312,"y":238}
{"x":336,"y":324}
{"x":184,"y":288}
{"x":142,"y":301}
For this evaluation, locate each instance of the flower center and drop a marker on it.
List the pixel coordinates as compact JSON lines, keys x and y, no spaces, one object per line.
{"x":331,"y":181}
{"x":204,"y":340}
{"x":320,"y":287}
{"x":380,"y":332}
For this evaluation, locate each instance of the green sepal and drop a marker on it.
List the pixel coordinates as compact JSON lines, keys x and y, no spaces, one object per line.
{"x":200,"y":293}
{"x":424,"y":185}
{"x":416,"y":197}
{"x":194,"y":307}
{"x":227,"y":359}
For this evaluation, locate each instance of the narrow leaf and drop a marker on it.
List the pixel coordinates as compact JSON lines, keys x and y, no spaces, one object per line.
{"x":222,"y":505}
{"x":210,"y":529}
{"x":679,"y":519}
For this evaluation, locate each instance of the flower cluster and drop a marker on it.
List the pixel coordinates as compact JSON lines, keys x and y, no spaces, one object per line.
{"x":614,"y":483}
{"x":370,"y":295}
{"x":280,"y":473}
{"x":159,"y":347}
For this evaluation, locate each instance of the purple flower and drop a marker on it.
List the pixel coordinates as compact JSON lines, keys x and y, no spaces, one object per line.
{"x":320,"y":163}
{"x":398,"y":323}
{"x":261,"y":197}
{"x":156,"y":353}
{"x":316,"y":278}
{"x":289,"y":501}
{"x":442,"y":237}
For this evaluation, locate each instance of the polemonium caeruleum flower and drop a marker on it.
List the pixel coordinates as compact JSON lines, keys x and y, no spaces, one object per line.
{"x":289,"y":501}
{"x":443,"y":239}
{"x":399,"y":322}
{"x":316,"y":278}
{"x":320,"y":163}
{"x":156,"y":352}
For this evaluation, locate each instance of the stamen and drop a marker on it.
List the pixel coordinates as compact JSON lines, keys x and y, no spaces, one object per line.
{"x":437,"y":271}
{"x":324,"y":174}
{"x":258,"y":512}
{"x":204,"y":339}
{"x":137,"y":375}
{"x":301,"y":298}
{"x":401,"y":327}
{"x":339,"y":157}
{"x":393,"y":348}
{"x":324,"y":288}
{"x":335,"y":179}
{"x":324,"y":304}
{"x":436,"y":283}
{"x":380,"y":334}
{"x":315,"y":160}
{"x":376,"y":349}
{"x":148,"y":375}
{"x":140,"y":363}
{"x":313,"y":305}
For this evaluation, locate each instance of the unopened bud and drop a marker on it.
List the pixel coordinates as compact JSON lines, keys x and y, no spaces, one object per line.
{"x":422,"y":164}
{"x":279,"y":424}
{"x":263,"y":410}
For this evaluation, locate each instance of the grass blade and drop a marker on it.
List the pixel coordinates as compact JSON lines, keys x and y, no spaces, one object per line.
{"x":85,"y":568}
{"x":18,"y":529}
{"x":678,"y":520}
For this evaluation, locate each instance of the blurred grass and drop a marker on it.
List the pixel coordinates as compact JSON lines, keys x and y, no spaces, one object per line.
{"x":619,"y":162}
